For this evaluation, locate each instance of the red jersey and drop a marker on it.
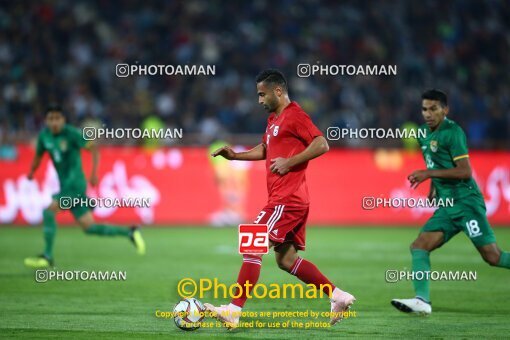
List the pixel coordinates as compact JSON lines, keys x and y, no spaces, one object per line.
{"x":287,"y":135}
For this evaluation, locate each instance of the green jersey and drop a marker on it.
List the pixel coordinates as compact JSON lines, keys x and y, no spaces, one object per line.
{"x":441,"y":148}
{"x":64,"y":149}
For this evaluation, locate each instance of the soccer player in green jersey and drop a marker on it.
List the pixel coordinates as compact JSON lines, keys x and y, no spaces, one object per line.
{"x":446,"y":155}
{"x":64,"y":143}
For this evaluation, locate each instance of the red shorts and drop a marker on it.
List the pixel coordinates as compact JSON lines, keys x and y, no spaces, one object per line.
{"x":285,"y":224}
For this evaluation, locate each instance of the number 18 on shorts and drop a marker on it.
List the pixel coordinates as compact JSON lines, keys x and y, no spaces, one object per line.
{"x":253,"y":239}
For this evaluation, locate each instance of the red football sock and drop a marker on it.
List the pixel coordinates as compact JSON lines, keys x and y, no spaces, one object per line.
{"x":250,"y":271}
{"x":308,"y":273}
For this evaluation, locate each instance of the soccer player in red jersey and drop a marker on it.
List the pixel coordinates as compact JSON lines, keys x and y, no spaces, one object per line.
{"x":290,"y":141}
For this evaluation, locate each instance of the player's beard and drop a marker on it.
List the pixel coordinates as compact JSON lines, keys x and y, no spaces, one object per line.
{"x":271,"y":105}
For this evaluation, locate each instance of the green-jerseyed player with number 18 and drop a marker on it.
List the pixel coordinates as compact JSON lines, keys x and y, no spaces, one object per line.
{"x":446,"y":155}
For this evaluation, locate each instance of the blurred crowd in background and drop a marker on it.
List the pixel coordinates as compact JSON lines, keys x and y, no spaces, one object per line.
{"x":66,"y":51}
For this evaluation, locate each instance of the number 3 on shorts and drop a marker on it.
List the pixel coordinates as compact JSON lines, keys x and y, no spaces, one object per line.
{"x":262,"y":213}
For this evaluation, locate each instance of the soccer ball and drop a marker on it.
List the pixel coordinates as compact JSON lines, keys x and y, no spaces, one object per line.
{"x":188,"y":313}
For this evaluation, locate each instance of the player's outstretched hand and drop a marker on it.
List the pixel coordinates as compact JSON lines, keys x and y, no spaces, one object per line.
{"x":226,"y":152}
{"x":417,"y":177}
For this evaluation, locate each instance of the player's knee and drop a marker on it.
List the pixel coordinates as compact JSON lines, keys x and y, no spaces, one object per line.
{"x":85,"y":227}
{"x":492,"y":258}
{"x":422,"y":244}
{"x":417,"y":244}
{"x":285,"y":264}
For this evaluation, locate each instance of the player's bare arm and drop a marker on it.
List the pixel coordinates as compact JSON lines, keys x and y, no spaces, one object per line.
{"x":35,"y":164}
{"x":432,"y":191}
{"x":258,"y":153}
{"x":94,"y":150}
{"x":461,"y":171}
{"x":317,"y":147}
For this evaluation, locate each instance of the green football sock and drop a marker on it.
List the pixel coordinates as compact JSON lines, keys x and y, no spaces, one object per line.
{"x":49,"y":231}
{"x":421,"y":262}
{"x":107,"y":230}
{"x":504,"y":260}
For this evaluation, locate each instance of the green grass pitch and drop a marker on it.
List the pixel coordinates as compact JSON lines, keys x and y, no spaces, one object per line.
{"x":354,"y":258}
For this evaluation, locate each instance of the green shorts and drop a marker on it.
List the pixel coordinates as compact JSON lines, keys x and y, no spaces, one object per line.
{"x":468,"y":216}
{"x":65,"y":200}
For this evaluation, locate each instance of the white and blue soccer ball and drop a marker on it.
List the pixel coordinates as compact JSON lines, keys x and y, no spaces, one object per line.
{"x":188,"y":314}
